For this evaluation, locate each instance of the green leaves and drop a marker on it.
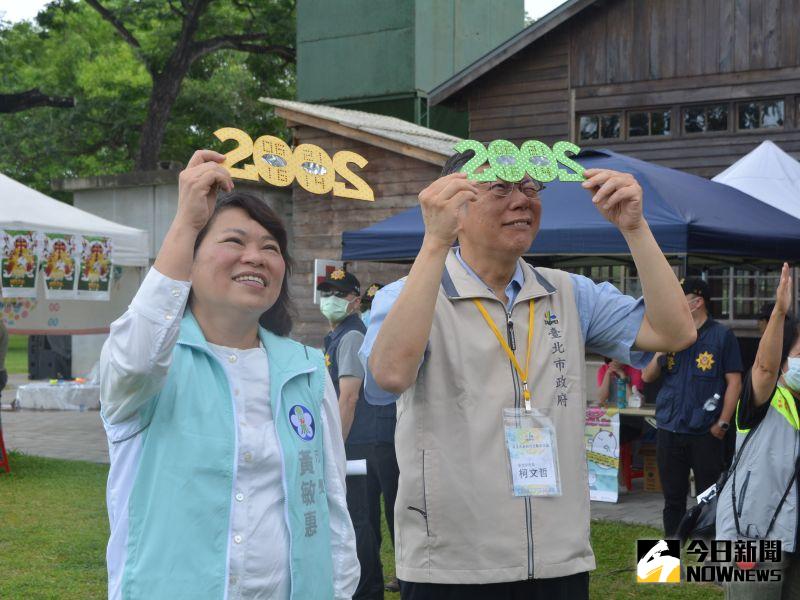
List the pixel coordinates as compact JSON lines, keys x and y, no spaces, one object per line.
{"x":72,"y":50}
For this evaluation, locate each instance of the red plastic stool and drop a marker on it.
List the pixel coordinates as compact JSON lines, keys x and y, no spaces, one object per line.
{"x":627,"y":472}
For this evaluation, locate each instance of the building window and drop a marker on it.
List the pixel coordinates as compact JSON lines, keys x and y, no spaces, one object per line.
{"x":594,"y":127}
{"x":760,"y":114}
{"x":648,"y":123}
{"x":710,"y":117}
{"x":740,"y":293}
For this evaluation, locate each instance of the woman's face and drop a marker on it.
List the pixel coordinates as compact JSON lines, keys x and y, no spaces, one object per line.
{"x":238,"y":266}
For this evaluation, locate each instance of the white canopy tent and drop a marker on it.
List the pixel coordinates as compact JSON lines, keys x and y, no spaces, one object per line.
{"x":25,"y":208}
{"x":769,"y":174}
{"x":22,"y":208}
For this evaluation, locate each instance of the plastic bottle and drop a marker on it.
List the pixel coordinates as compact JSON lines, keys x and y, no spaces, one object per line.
{"x":622,"y":392}
{"x":712,"y":403}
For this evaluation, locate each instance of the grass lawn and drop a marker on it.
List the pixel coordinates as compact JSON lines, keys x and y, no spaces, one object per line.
{"x":54,"y":530}
{"x":17,"y":358}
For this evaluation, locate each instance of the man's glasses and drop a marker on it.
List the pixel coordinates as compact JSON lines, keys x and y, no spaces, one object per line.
{"x":529,"y":187}
{"x":337,"y":293}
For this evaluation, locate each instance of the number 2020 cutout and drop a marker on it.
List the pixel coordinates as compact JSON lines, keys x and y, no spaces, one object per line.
{"x":509,"y":163}
{"x":277,"y":164}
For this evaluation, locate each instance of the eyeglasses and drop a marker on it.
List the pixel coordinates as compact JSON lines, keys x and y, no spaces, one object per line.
{"x":337,"y":293}
{"x":529,"y":187}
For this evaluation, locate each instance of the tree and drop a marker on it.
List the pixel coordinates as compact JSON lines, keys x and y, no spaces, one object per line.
{"x":31,"y":99}
{"x":184,"y":37}
{"x":71,"y":51}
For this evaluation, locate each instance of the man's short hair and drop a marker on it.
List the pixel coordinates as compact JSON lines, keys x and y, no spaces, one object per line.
{"x":456,"y":162}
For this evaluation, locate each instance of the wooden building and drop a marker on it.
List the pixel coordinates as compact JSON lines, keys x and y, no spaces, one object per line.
{"x":689,"y":84}
{"x":403,"y":159}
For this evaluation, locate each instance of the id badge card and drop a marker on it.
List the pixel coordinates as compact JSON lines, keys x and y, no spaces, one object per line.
{"x":532,"y":453}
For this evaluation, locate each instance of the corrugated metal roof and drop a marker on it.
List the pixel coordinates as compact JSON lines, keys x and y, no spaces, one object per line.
{"x":390,"y":128}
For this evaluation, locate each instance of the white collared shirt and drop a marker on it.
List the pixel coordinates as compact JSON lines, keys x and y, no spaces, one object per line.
{"x":134,"y":365}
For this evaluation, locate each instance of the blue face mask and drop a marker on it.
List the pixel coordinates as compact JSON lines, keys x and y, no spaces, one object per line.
{"x":792,"y":374}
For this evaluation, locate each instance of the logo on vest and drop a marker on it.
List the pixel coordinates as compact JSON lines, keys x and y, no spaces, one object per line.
{"x":550,"y":318}
{"x":302,"y":422}
{"x":705,"y":361}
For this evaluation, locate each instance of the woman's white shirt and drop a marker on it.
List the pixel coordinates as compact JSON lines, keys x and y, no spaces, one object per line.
{"x":133,"y":367}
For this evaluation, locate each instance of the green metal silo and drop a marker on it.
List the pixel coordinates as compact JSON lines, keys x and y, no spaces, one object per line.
{"x":383,"y":56}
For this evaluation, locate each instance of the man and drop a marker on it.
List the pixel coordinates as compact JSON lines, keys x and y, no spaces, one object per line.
{"x":691,"y":424}
{"x":384,"y":454}
{"x":339,"y":303}
{"x":443,"y":340}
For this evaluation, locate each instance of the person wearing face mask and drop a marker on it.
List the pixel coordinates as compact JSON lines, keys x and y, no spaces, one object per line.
{"x":339,"y":303}
{"x":692,"y":423}
{"x":763,"y":485}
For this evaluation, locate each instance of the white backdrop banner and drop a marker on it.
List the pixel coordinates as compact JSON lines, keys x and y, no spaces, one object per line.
{"x":36,"y":316}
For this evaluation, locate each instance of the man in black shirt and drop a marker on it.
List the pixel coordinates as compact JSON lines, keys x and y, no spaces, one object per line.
{"x":691,"y":423}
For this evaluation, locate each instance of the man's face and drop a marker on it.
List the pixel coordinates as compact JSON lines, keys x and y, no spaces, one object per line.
{"x":504,"y":226}
{"x":694,"y":301}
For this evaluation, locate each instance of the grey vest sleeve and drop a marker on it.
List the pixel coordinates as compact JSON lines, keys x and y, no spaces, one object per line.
{"x":347,"y":355}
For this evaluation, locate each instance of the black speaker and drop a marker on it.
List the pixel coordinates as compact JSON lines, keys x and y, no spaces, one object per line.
{"x":50,"y":357}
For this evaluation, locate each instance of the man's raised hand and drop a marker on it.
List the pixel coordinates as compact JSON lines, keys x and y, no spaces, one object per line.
{"x":441,"y":204}
{"x":618,"y":197}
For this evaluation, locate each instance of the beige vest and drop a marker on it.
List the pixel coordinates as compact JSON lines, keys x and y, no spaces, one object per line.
{"x":456,"y":518}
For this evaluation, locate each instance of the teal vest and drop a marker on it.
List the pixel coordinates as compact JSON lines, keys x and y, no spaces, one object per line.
{"x":181,"y":502}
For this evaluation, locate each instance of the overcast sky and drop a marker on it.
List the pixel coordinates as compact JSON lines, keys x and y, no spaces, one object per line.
{"x":16,"y":10}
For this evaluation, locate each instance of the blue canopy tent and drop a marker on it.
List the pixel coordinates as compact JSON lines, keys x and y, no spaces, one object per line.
{"x":688,"y":215}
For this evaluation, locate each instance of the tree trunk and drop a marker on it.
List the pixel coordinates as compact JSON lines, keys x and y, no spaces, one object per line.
{"x":166,"y":87}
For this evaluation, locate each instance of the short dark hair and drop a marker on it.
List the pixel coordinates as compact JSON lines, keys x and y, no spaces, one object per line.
{"x":278,"y":319}
{"x":765,"y":312}
{"x":456,"y":162}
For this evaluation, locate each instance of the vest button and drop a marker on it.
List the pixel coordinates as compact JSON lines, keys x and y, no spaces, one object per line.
{"x":237,"y":538}
{"x":239,"y":497}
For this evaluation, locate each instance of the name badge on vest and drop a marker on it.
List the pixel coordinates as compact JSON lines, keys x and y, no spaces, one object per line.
{"x":532,"y":453}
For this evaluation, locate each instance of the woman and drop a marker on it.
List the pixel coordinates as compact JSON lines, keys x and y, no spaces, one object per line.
{"x":227,"y":461}
{"x":609,"y":373}
{"x":759,"y":500}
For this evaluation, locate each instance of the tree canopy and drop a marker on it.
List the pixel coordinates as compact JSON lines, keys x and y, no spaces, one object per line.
{"x":111,"y":59}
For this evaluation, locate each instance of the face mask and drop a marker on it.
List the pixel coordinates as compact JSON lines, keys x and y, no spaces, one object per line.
{"x":334,"y":309}
{"x":365,"y":317}
{"x":792,"y":375}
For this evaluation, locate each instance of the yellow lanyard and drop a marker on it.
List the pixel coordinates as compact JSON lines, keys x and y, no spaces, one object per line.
{"x":523,"y":375}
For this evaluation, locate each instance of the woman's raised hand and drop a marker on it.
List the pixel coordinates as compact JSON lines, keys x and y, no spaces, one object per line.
{"x":198,"y":185}
{"x":783,"y":295}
